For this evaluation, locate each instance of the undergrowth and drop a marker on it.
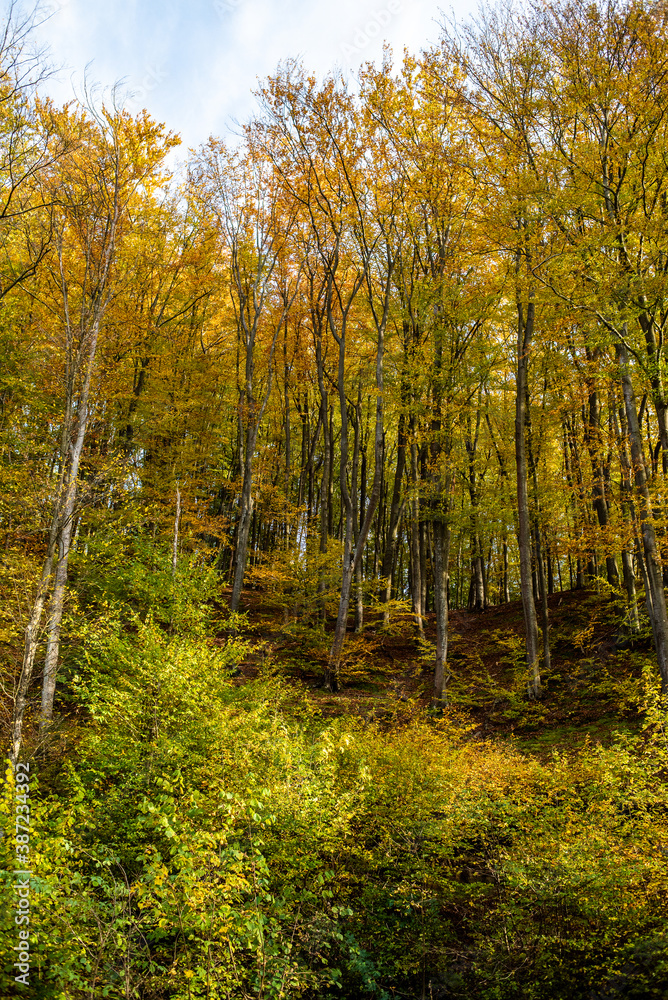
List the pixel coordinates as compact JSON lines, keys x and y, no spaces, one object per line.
{"x":201,"y":835}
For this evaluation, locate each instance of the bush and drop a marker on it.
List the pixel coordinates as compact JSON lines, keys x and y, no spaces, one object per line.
{"x":240,"y":846}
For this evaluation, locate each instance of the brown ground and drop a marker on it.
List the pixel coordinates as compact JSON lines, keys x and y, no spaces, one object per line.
{"x":591,"y":689}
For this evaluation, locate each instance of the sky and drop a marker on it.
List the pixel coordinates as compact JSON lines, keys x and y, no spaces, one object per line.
{"x":194,"y":63}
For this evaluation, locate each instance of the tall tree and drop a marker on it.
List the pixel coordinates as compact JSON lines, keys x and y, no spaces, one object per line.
{"x":114,"y":159}
{"x":255,"y":224}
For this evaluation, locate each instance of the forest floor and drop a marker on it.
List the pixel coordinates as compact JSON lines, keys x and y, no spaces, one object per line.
{"x":590,"y":693}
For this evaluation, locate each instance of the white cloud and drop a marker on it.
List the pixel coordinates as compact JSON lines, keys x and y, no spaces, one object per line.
{"x":194,"y":65}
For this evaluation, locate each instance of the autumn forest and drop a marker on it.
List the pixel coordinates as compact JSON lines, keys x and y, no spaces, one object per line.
{"x":334,"y":526}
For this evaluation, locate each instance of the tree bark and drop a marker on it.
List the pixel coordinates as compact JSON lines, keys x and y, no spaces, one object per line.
{"x":74,"y":435}
{"x":545,"y":618}
{"x":31,"y":641}
{"x":598,"y":485}
{"x":653,"y":567}
{"x":325,"y":489}
{"x":628,"y":512}
{"x":350,"y":559}
{"x":442,"y":535}
{"x":416,"y":582}
{"x":245,"y":515}
{"x":175,"y":541}
{"x":524,"y":336}
{"x":396,"y":509}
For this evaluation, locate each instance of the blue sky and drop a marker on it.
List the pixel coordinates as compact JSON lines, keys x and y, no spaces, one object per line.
{"x":194,"y":64}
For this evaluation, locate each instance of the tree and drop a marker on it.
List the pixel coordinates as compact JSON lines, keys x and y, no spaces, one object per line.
{"x":115,"y":159}
{"x":255,"y":226}
{"x":503,"y":69}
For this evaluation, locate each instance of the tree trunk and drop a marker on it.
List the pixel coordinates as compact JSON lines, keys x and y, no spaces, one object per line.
{"x":244,"y":523}
{"x":653,"y":567}
{"x":441,"y":557}
{"x":653,"y":352}
{"x":424,"y":589}
{"x":54,"y":622}
{"x":395,"y":519}
{"x":545,"y":620}
{"x":598,"y":488}
{"x":175,"y":543}
{"x":630,"y":585}
{"x":72,"y":443}
{"x":539,"y":563}
{"x":350,"y":560}
{"x":325,"y":492}
{"x":416,"y":582}
{"x":477,"y":594}
{"x":288,"y":443}
{"x":524,"y":336}
{"x":30,"y":647}
{"x":628,"y":513}
{"x":574,"y":479}
{"x":358,"y":510}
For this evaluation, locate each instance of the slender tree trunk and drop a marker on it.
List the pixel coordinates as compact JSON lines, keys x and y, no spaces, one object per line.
{"x":359,"y":598}
{"x":175,"y":542}
{"x":358,"y":511}
{"x":598,"y":488}
{"x":336,"y":649}
{"x":424,"y":590}
{"x":416,"y":582}
{"x":308,"y":452}
{"x":305,"y":441}
{"x":505,"y":590}
{"x":524,"y":337}
{"x":458,"y":583}
{"x":441,"y":558}
{"x":350,"y":559}
{"x":539,"y":562}
{"x":628,"y":512}
{"x":574,"y":479}
{"x":71,"y":452}
{"x":30,"y":644}
{"x":389,"y":553}
{"x":477,"y":594}
{"x":288,"y":444}
{"x":545,"y":619}
{"x":653,"y":567}
{"x":245,"y":516}
{"x":325,"y":490}
{"x":661,"y":409}
{"x":630,"y":585}
{"x":54,"y":623}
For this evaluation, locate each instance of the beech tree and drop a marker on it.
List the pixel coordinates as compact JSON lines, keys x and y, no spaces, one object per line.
{"x":255,"y":226}
{"x":92,"y":190}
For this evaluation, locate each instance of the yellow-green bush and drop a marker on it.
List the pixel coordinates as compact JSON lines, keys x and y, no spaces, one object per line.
{"x":208,"y":840}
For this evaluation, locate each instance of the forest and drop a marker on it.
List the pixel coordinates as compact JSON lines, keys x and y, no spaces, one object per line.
{"x":334,"y":527}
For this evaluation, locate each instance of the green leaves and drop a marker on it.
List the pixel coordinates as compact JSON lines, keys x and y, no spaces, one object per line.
{"x":212,"y":840}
